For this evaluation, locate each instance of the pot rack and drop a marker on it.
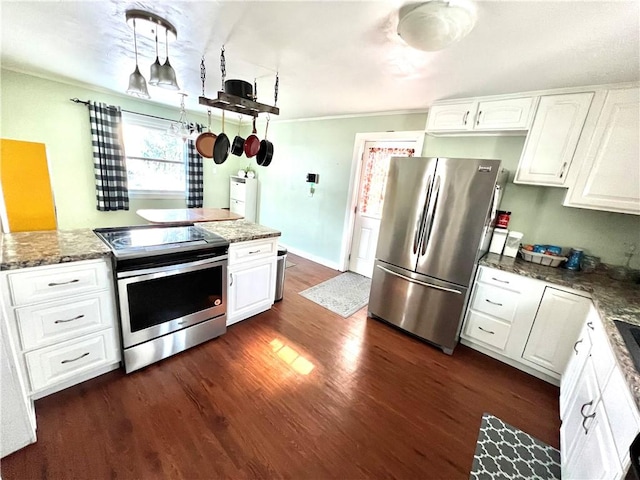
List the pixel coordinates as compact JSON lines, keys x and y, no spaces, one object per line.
{"x":233,"y":103}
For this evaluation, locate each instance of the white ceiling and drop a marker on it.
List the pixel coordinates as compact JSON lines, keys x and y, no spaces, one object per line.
{"x":334,"y":57}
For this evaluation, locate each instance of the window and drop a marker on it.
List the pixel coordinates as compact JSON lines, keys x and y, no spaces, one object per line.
{"x":155,"y":159}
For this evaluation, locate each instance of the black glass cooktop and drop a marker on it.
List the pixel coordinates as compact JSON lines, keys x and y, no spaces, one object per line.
{"x":154,"y":239}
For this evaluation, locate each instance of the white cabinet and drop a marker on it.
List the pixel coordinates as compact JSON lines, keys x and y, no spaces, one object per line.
{"x":252,"y":278}
{"x":243,"y":197}
{"x":63,"y":321}
{"x":526,"y":323}
{"x":558,"y":322}
{"x":609,"y":175}
{"x":600,"y":419}
{"x":552,"y":140}
{"x":478,"y":115}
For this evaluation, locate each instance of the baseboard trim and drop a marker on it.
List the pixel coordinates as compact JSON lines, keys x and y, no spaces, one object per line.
{"x":312,"y":257}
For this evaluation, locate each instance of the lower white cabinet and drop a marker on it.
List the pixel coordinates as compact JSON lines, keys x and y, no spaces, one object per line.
{"x":526,"y":323}
{"x":252,"y":278}
{"x":63,"y":321}
{"x":599,"y":416}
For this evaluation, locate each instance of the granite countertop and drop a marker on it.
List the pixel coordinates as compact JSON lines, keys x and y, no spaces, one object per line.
{"x":33,"y":249}
{"x":614,"y":300}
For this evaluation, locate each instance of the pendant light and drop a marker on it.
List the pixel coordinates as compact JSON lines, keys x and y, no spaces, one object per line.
{"x":137,"y":83}
{"x":154,"y":72}
{"x":167,"y":76}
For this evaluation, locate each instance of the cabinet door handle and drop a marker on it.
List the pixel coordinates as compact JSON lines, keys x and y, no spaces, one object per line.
{"x":255,"y":251}
{"x":590,"y":325}
{"x":493,"y":303}
{"x":231,"y":275}
{"x":501,"y":281}
{"x":564,"y":165}
{"x":75,"y":359}
{"x":464,"y":119}
{"x":70,"y":319}
{"x":54,"y":284}
{"x":478,"y":119}
{"x":586,"y":417}
{"x":487,"y":331}
{"x":575,"y":345}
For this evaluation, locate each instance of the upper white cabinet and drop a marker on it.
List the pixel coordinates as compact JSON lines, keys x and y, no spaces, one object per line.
{"x":552,"y":140}
{"x":609,"y":176}
{"x":479,"y":116}
{"x":243,"y":197}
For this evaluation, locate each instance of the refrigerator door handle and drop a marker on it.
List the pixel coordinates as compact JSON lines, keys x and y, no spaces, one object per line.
{"x":432,"y":216}
{"x":408,"y":279}
{"x":420,"y":222}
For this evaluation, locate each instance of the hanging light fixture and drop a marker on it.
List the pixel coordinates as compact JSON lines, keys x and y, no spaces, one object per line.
{"x":151,"y":25}
{"x":436,"y":24}
{"x":137,"y":83}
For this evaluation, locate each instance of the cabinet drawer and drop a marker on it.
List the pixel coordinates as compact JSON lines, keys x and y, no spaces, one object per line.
{"x":51,"y":365}
{"x":502,"y":279}
{"x":238,"y":190}
{"x":487,"y":330}
{"x":49,"y":283}
{"x":237,"y":206}
{"x":45,"y":324}
{"x":495,"y":301}
{"x":252,"y":250}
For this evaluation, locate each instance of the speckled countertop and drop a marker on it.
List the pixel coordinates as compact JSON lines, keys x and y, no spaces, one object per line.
{"x":614,"y":300}
{"x":33,"y":249}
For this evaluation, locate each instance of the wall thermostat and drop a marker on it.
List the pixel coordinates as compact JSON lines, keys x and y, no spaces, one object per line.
{"x":313,"y":177}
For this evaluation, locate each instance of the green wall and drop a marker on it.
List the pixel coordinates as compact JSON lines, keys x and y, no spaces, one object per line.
{"x":39,"y":110}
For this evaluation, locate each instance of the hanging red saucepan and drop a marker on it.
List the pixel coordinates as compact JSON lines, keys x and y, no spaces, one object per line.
{"x":265,"y":154}
{"x":252,"y":143}
{"x":238,"y":142}
{"x":222,"y":146}
{"x":206,"y":140}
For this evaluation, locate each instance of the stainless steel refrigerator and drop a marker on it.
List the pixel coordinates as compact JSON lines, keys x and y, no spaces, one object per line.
{"x":436,"y":223}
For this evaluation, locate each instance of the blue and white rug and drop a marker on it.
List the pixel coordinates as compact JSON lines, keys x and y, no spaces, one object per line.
{"x":345,"y":294}
{"x":504,"y":452}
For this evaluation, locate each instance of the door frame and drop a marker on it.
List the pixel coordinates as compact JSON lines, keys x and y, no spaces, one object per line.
{"x":354,"y":182}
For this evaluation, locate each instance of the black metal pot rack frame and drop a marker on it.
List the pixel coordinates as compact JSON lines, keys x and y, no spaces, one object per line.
{"x":233,"y":103}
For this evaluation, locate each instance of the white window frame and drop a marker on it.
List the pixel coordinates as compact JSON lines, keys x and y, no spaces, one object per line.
{"x":158,"y":124}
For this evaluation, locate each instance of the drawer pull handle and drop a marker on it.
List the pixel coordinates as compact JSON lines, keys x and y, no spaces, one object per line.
{"x":255,"y":251}
{"x":487,"y":331}
{"x":54,"y":284}
{"x":75,"y":359}
{"x":575,"y":345}
{"x":70,"y":319}
{"x":590,"y":325}
{"x":498,"y":280}
{"x":231,"y":275}
{"x":493,"y":303}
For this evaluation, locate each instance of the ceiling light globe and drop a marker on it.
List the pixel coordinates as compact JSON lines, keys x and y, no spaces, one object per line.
{"x":137,"y":85}
{"x":167,"y":77}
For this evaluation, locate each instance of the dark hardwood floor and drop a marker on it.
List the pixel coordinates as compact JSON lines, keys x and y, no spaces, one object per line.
{"x":297,"y":392}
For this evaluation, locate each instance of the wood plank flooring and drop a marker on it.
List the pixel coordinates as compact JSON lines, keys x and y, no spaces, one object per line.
{"x":297,"y":392}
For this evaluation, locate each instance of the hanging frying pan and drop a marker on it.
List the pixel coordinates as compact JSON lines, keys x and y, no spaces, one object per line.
{"x":252,"y":143}
{"x":238,"y":142}
{"x":265,"y":153}
{"x":206,"y":140}
{"x":222,"y":145}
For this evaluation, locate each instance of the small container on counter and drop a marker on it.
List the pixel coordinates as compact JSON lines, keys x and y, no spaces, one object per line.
{"x":498,"y":240}
{"x":575,"y":257}
{"x":502,"y":220}
{"x":512,"y":244}
{"x":589,"y":263}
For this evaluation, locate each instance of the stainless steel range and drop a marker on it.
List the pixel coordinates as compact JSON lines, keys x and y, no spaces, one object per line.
{"x":172,"y":290}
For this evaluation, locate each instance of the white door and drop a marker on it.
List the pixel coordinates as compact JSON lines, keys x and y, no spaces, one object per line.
{"x":374,"y":167}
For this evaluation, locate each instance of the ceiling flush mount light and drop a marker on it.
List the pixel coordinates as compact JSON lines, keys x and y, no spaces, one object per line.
{"x":436,"y":24}
{"x":152,"y":26}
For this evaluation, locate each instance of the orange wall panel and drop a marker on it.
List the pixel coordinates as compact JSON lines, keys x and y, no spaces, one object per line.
{"x":26,"y":186}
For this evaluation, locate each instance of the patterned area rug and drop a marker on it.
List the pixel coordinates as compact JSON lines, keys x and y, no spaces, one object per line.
{"x":504,"y":452}
{"x":345,"y":294}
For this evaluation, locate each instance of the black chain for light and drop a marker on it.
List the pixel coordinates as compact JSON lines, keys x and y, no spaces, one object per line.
{"x":275,"y":89}
{"x":223,"y":66}
{"x":203,"y":74}
{"x":255,"y":89}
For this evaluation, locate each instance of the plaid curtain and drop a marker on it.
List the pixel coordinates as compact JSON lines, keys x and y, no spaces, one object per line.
{"x":108,"y":157}
{"x":194,"y":172}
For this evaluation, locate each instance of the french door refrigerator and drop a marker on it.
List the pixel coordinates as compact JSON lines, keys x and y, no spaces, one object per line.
{"x":436,"y":224}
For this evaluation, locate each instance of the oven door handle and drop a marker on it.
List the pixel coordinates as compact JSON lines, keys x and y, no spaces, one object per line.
{"x":159,"y":272}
